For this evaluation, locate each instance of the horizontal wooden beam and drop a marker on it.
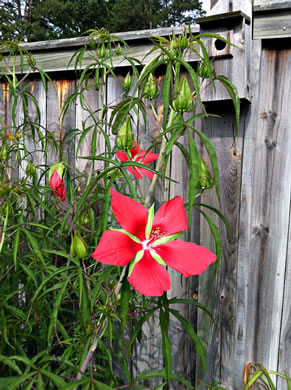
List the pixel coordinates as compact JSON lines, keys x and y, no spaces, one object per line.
{"x":274,"y":23}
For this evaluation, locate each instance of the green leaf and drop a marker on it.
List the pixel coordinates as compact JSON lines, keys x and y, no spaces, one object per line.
{"x":212,"y":156}
{"x":191,"y":333}
{"x":10,"y":363}
{"x":139,"y":324}
{"x":166,"y":94}
{"x":167,"y":351}
{"x":193,"y":175}
{"x":125,"y":289}
{"x":215,"y":233}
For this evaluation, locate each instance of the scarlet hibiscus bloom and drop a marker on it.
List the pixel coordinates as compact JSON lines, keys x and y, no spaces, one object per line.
{"x":146,"y":243}
{"x":57,"y":185}
{"x":141,"y":156}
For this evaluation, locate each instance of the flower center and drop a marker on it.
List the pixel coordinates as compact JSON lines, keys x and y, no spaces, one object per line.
{"x":146,"y":245}
{"x":156,"y":234}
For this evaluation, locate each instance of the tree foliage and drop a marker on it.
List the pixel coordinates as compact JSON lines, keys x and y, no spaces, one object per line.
{"x":27,"y":20}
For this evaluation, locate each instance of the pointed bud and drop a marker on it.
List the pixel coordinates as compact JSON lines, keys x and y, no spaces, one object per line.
{"x":118,"y":50}
{"x":56,"y":174}
{"x":126,"y":85}
{"x":102,"y":51}
{"x":125,"y":137}
{"x":150,"y":91}
{"x":60,"y":169}
{"x":3,"y":153}
{"x":92,"y":44}
{"x":78,"y":247}
{"x":30,"y":169}
{"x":183,"y":42}
{"x":183,"y":100}
{"x":205,"y":178}
{"x":203,"y":71}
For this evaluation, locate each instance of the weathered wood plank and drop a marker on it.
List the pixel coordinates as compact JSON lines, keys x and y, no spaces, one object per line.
{"x":219,"y":294}
{"x":272,"y":24}
{"x":58,"y":126}
{"x":245,"y":218}
{"x":268,"y":5}
{"x":285,"y":339}
{"x":88,"y":116}
{"x":270,"y":209}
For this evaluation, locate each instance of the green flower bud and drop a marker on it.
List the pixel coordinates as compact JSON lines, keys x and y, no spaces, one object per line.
{"x":92,"y":44}
{"x":126,"y":85}
{"x":3,"y":153}
{"x":183,"y":100}
{"x":78,"y":247}
{"x":205,"y":178}
{"x":125,"y":137}
{"x":102,"y":51}
{"x":59,"y":167}
{"x":118,"y":50}
{"x":30,"y":169}
{"x":183,"y":42}
{"x":84,"y":219}
{"x":150,"y":91}
{"x":203,"y":71}
{"x":31,"y":61}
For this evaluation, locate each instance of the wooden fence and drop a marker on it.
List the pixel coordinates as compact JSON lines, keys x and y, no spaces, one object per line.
{"x":251,"y":293}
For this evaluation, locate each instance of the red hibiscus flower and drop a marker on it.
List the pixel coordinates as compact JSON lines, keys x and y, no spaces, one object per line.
{"x":57,"y":185}
{"x":146,"y":243}
{"x":141,"y":156}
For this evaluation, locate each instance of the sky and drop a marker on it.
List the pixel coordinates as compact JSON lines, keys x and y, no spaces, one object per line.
{"x":206,"y":5}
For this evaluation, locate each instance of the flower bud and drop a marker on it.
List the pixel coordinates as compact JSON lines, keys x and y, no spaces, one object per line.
{"x":150,"y":91}
{"x":205,"y":178}
{"x":126,"y":85}
{"x":31,"y":61}
{"x":183,"y":42}
{"x":10,"y":137}
{"x":125,"y":136}
{"x":56,"y":174}
{"x":3,"y":153}
{"x":92,"y":44}
{"x":78,"y":247}
{"x":203,"y":71}
{"x":102,"y":51}
{"x":118,"y":50}
{"x":183,"y":99}
{"x":30,"y":169}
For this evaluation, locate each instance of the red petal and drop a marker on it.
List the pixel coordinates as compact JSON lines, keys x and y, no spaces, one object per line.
{"x":149,"y":277}
{"x":136,"y":172}
{"x":57,"y":185}
{"x":171,"y":217}
{"x":147,"y":173}
{"x":147,"y":157}
{"x":115,"y":248}
{"x":122,"y":156}
{"x":186,"y":257}
{"x":131,"y":215}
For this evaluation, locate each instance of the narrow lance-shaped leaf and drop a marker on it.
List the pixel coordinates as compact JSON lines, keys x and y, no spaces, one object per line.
{"x":191,"y":333}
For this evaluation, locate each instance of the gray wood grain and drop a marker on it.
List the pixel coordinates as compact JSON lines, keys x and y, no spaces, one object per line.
{"x":270,"y":209}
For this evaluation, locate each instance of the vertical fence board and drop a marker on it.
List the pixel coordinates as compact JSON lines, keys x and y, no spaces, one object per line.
{"x":220,"y":341}
{"x":85,"y":118}
{"x":248,"y":152}
{"x":270,"y":209}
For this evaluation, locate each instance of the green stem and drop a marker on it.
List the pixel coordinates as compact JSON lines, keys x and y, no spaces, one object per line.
{"x":159,"y":162}
{"x":4,"y":229}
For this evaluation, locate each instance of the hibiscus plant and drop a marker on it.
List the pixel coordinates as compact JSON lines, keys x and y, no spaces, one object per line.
{"x":85,"y":251}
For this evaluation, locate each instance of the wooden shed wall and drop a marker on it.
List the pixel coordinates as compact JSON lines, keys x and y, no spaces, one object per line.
{"x":250,"y":296}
